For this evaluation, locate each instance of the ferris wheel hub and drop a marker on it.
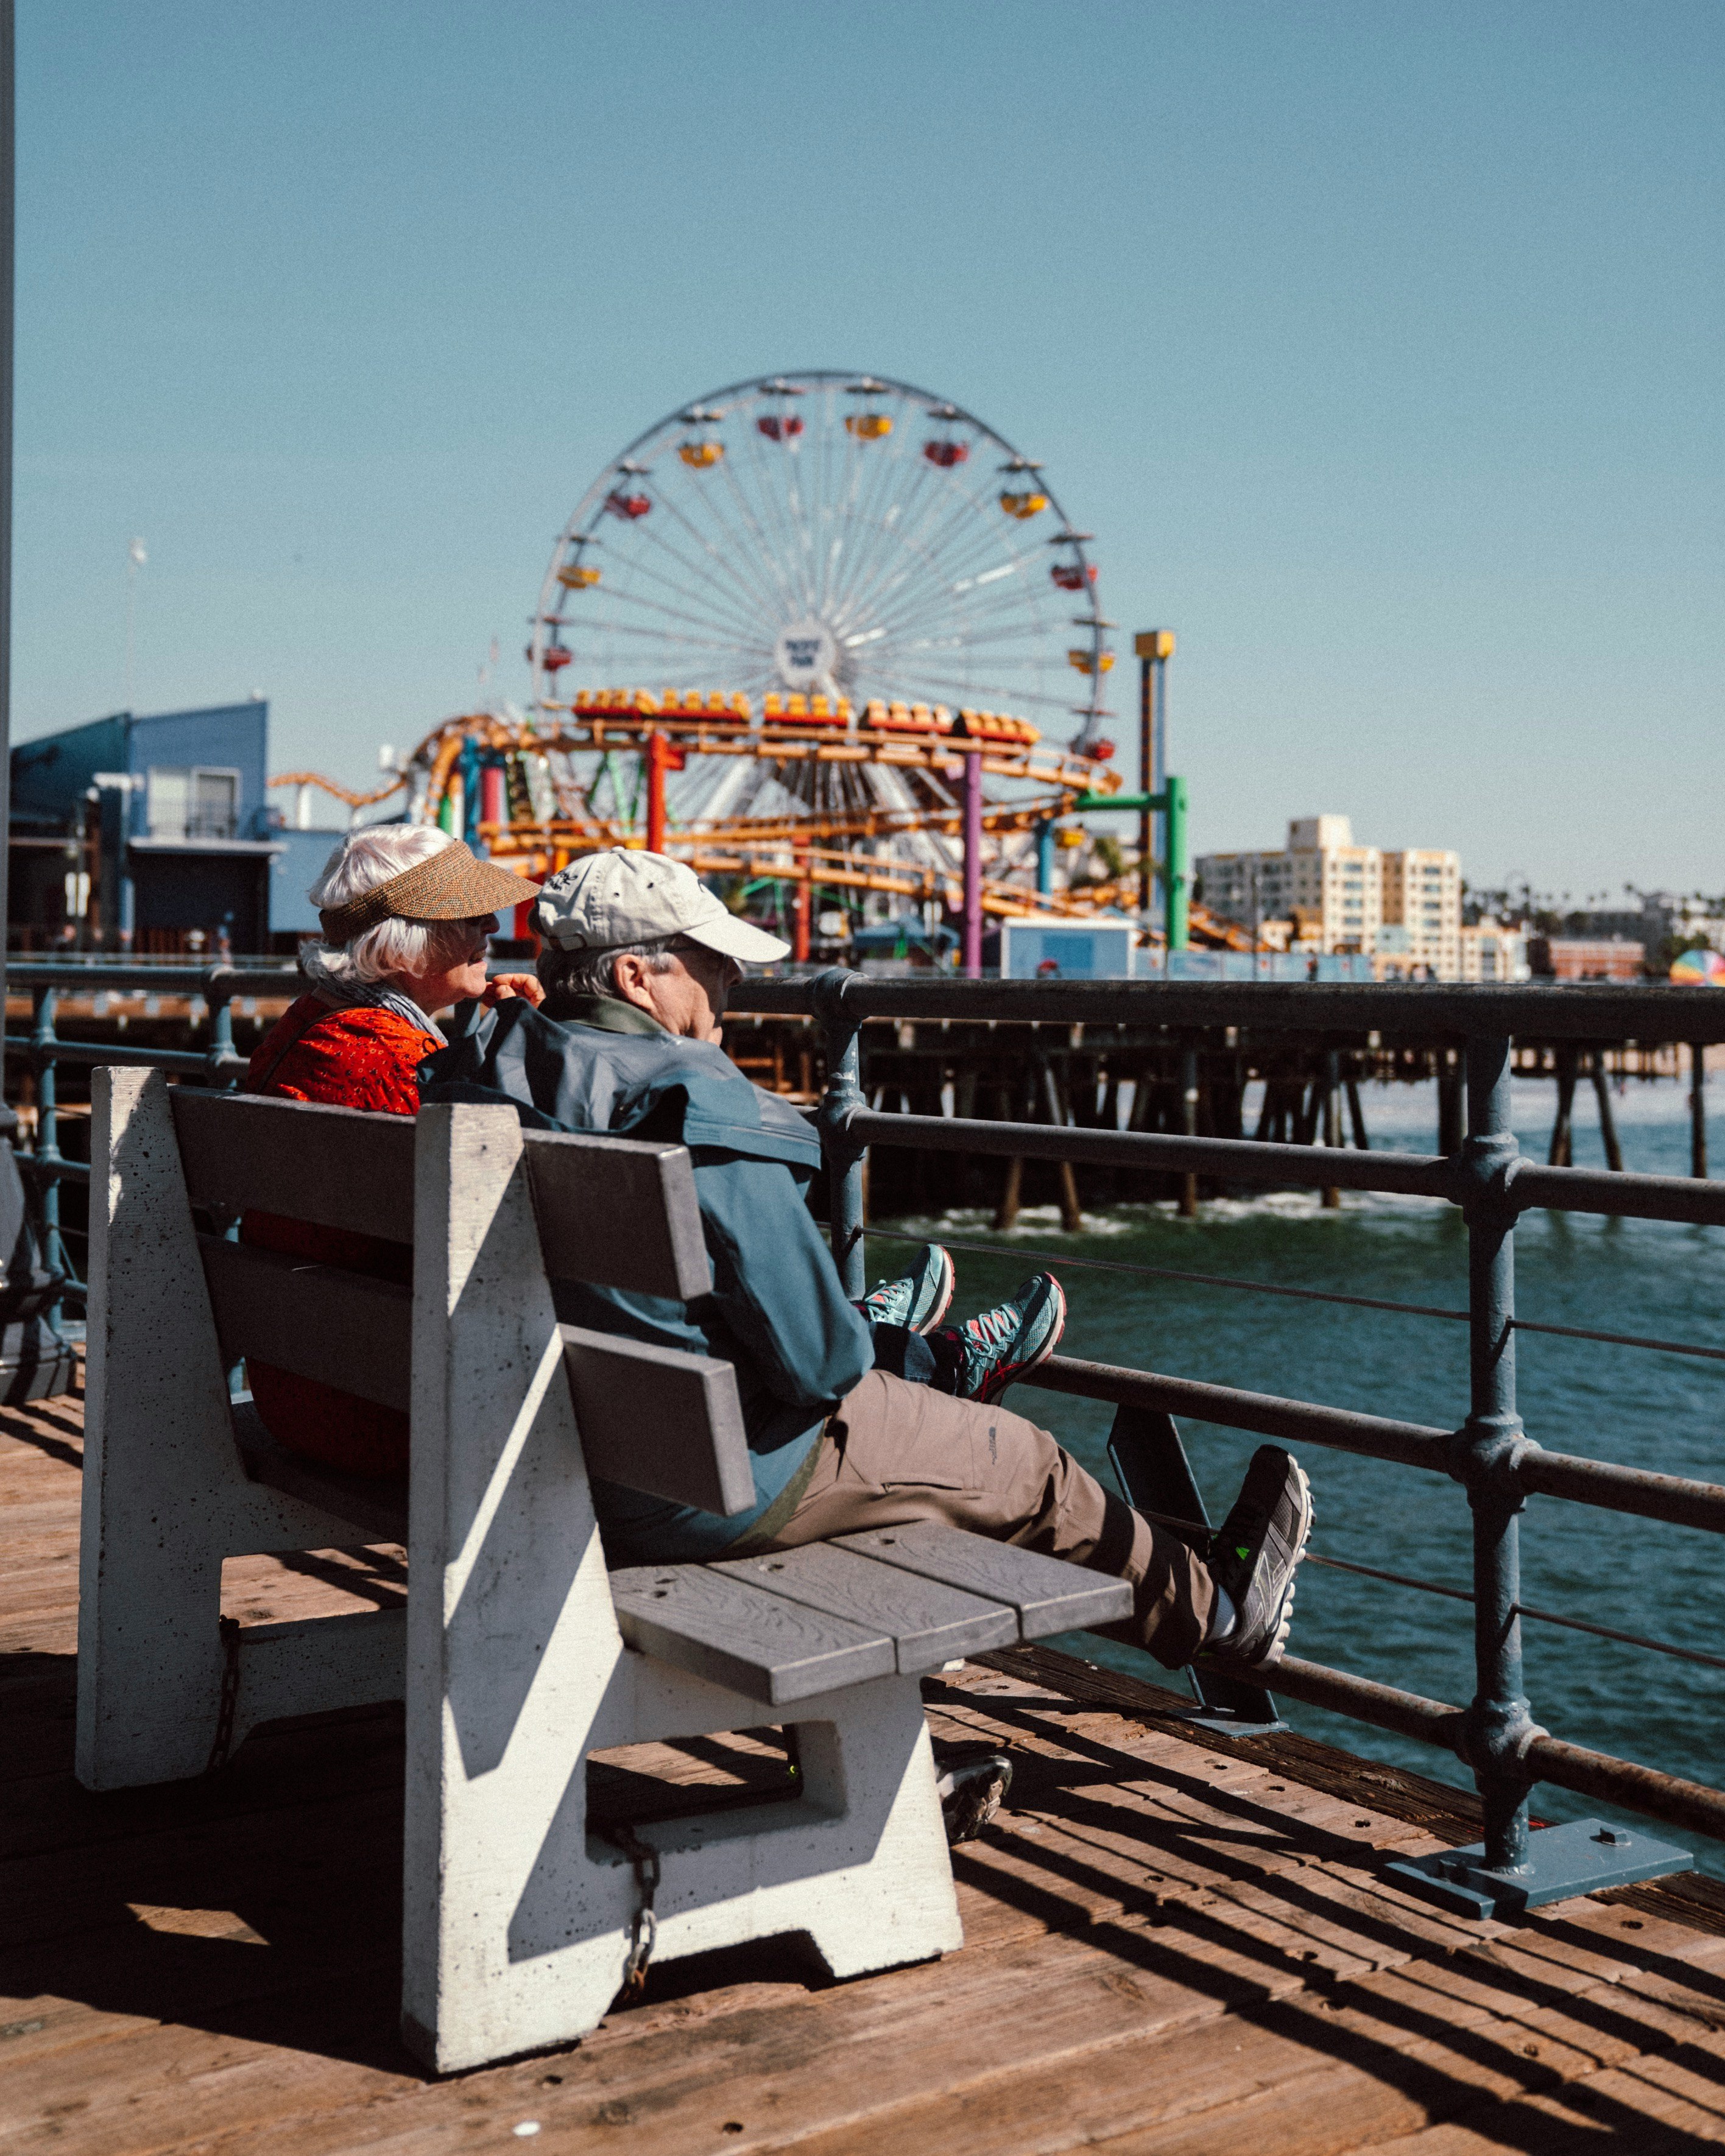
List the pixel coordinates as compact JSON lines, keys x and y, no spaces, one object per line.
{"x":806,"y":655}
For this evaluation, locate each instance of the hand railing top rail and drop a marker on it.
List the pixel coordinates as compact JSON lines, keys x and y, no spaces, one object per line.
{"x":212,"y":982}
{"x":1571,"y":1011}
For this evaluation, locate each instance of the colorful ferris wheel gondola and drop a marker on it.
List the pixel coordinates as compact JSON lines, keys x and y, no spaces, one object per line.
{"x":702,"y":449}
{"x":1026,"y":499}
{"x":869,"y":424}
{"x":946,"y":451}
{"x":782,"y":424}
{"x":627,"y":501}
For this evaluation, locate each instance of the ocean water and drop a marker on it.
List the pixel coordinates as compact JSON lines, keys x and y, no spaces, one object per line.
{"x":1637,"y":1407}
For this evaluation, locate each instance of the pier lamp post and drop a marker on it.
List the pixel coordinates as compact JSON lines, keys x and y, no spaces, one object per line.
{"x":1155,"y":647}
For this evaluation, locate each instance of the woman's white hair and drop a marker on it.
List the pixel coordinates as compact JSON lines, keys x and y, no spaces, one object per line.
{"x":363,"y":860}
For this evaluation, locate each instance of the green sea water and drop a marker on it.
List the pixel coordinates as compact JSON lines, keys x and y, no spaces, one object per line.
{"x":1642,"y":1408}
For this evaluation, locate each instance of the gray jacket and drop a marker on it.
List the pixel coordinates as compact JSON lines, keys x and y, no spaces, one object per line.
{"x":777,"y":1311}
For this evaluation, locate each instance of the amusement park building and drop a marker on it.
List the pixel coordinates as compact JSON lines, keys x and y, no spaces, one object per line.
{"x":149,"y":834}
{"x":1321,"y":892}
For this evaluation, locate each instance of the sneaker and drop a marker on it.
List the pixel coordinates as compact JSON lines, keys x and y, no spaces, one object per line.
{"x":999,"y":1345}
{"x":918,"y":1301}
{"x":1255,"y":1554}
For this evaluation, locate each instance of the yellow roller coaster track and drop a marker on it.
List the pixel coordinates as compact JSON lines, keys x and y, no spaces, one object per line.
{"x":791,"y":849}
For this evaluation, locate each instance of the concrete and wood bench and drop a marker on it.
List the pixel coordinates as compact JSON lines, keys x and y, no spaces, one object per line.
{"x":517,"y":1655}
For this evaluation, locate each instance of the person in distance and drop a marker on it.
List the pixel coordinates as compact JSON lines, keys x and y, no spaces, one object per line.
{"x":856,"y":1417}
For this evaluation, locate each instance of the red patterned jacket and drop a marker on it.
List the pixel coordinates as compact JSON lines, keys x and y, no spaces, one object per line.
{"x":348,"y":1059}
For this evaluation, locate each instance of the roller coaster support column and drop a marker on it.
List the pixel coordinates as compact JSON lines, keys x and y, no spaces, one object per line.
{"x":660,"y":757}
{"x":1155,"y":647}
{"x":973,"y":866}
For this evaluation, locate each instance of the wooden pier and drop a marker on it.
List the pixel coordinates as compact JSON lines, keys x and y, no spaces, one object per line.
{"x":1174,"y":1942}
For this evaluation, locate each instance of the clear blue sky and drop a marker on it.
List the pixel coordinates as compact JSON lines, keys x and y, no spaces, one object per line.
{"x":1380,"y":347}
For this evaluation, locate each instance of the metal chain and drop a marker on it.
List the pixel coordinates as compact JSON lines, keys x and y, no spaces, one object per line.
{"x":644,"y":1932}
{"x":230,"y":1695}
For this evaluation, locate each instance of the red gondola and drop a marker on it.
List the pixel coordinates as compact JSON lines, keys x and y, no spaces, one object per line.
{"x":781,"y":426}
{"x":946,"y":454}
{"x":629,"y":506}
{"x":553,"y":656}
{"x":1070,"y":577}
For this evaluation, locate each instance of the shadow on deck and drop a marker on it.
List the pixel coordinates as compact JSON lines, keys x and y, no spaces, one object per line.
{"x":1173,"y":1943}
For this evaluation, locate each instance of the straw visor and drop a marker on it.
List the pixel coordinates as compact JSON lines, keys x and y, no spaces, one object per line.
{"x":450,"y":885}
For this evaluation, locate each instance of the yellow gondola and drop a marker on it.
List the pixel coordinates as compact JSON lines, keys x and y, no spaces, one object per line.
{"x":574,"y":578}
{"x":1023,"y":504}
{"x":1088,"y":663}
{"x":701,"y":456}
{"x":867,"y":426}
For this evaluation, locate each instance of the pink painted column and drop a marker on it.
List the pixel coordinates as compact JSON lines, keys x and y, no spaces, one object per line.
{"x":973,"y":866}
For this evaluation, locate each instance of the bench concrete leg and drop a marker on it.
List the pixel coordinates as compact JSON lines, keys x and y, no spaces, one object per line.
{"x":165,"y":1496}
{"x":538,"y":1913}
{"x":517,"y":1921}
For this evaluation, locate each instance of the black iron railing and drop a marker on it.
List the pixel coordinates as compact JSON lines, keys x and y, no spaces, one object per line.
{"x":1491,"y":1455}
{"x":44,"y":1050}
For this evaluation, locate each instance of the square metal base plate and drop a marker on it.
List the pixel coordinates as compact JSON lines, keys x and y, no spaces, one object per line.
{"x":1225,"y":1721}
{"x":1577,"y":1858}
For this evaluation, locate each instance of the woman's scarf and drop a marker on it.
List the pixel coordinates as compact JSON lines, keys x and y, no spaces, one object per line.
{"x":347,"y":991}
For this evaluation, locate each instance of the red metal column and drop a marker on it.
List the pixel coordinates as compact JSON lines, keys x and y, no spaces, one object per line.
{"x":801,"y":905}
{"x":973,"y":866}
{"x":660,"y":758}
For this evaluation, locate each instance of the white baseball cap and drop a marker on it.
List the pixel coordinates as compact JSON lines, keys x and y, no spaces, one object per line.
{"x":627,"y":896}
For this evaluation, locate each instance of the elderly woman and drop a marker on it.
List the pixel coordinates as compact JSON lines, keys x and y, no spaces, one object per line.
{"x":405,"y":915}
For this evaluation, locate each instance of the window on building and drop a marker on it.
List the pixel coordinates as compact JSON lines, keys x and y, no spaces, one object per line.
{"x":191,"y":801}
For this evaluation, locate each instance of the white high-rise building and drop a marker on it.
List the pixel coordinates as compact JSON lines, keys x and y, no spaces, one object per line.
{"x":1405,"y":906}
{"x":1422,"y":894}
{"x":1330,"y":888}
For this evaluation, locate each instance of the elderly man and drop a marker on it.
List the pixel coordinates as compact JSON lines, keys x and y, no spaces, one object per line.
{"x":855,"y":1418}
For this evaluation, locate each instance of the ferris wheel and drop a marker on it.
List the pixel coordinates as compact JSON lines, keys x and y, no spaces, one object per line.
{"x":830,"y":534}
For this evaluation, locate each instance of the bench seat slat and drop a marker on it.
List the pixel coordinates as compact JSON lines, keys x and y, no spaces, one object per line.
{"x":764,"y":1645}
{"x":340,"y":1328}
{"x":1050,"y":1594}
{"x":337,"y":1168}
{"x":658,"y":1421}
{"x":929,"y":1622}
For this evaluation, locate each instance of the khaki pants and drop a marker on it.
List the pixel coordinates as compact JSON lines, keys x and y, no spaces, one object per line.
{"x":897,"y":1452}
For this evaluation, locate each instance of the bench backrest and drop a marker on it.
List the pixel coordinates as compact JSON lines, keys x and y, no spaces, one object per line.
{"x":613,"y":1213}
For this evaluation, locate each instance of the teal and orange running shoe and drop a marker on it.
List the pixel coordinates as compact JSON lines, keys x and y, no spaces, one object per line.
{"x":1000,"y":1345}
{"x":918,"y":1301}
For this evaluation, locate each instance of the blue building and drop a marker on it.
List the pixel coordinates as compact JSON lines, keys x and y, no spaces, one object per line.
{"x":149,"y":834}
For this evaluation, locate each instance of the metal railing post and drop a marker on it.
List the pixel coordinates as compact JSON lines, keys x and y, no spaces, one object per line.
{"x":48,"y":1156}
{"x":219,"y":994}
{"x":1498,"y":1726}
{"x":843,"y":1095}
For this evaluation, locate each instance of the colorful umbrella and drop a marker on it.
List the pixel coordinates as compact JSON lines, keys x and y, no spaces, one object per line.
{"x":1699,"y":968}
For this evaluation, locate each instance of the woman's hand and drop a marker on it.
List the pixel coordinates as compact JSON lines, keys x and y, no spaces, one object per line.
{"x":505,"y":986}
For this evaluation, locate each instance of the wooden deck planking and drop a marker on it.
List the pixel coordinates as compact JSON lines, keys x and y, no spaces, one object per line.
{"x":1174,"y":1943}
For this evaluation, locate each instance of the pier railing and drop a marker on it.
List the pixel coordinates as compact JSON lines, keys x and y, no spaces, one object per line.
{"x":43,"y":1050}
{"x":1491,"y":1455}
